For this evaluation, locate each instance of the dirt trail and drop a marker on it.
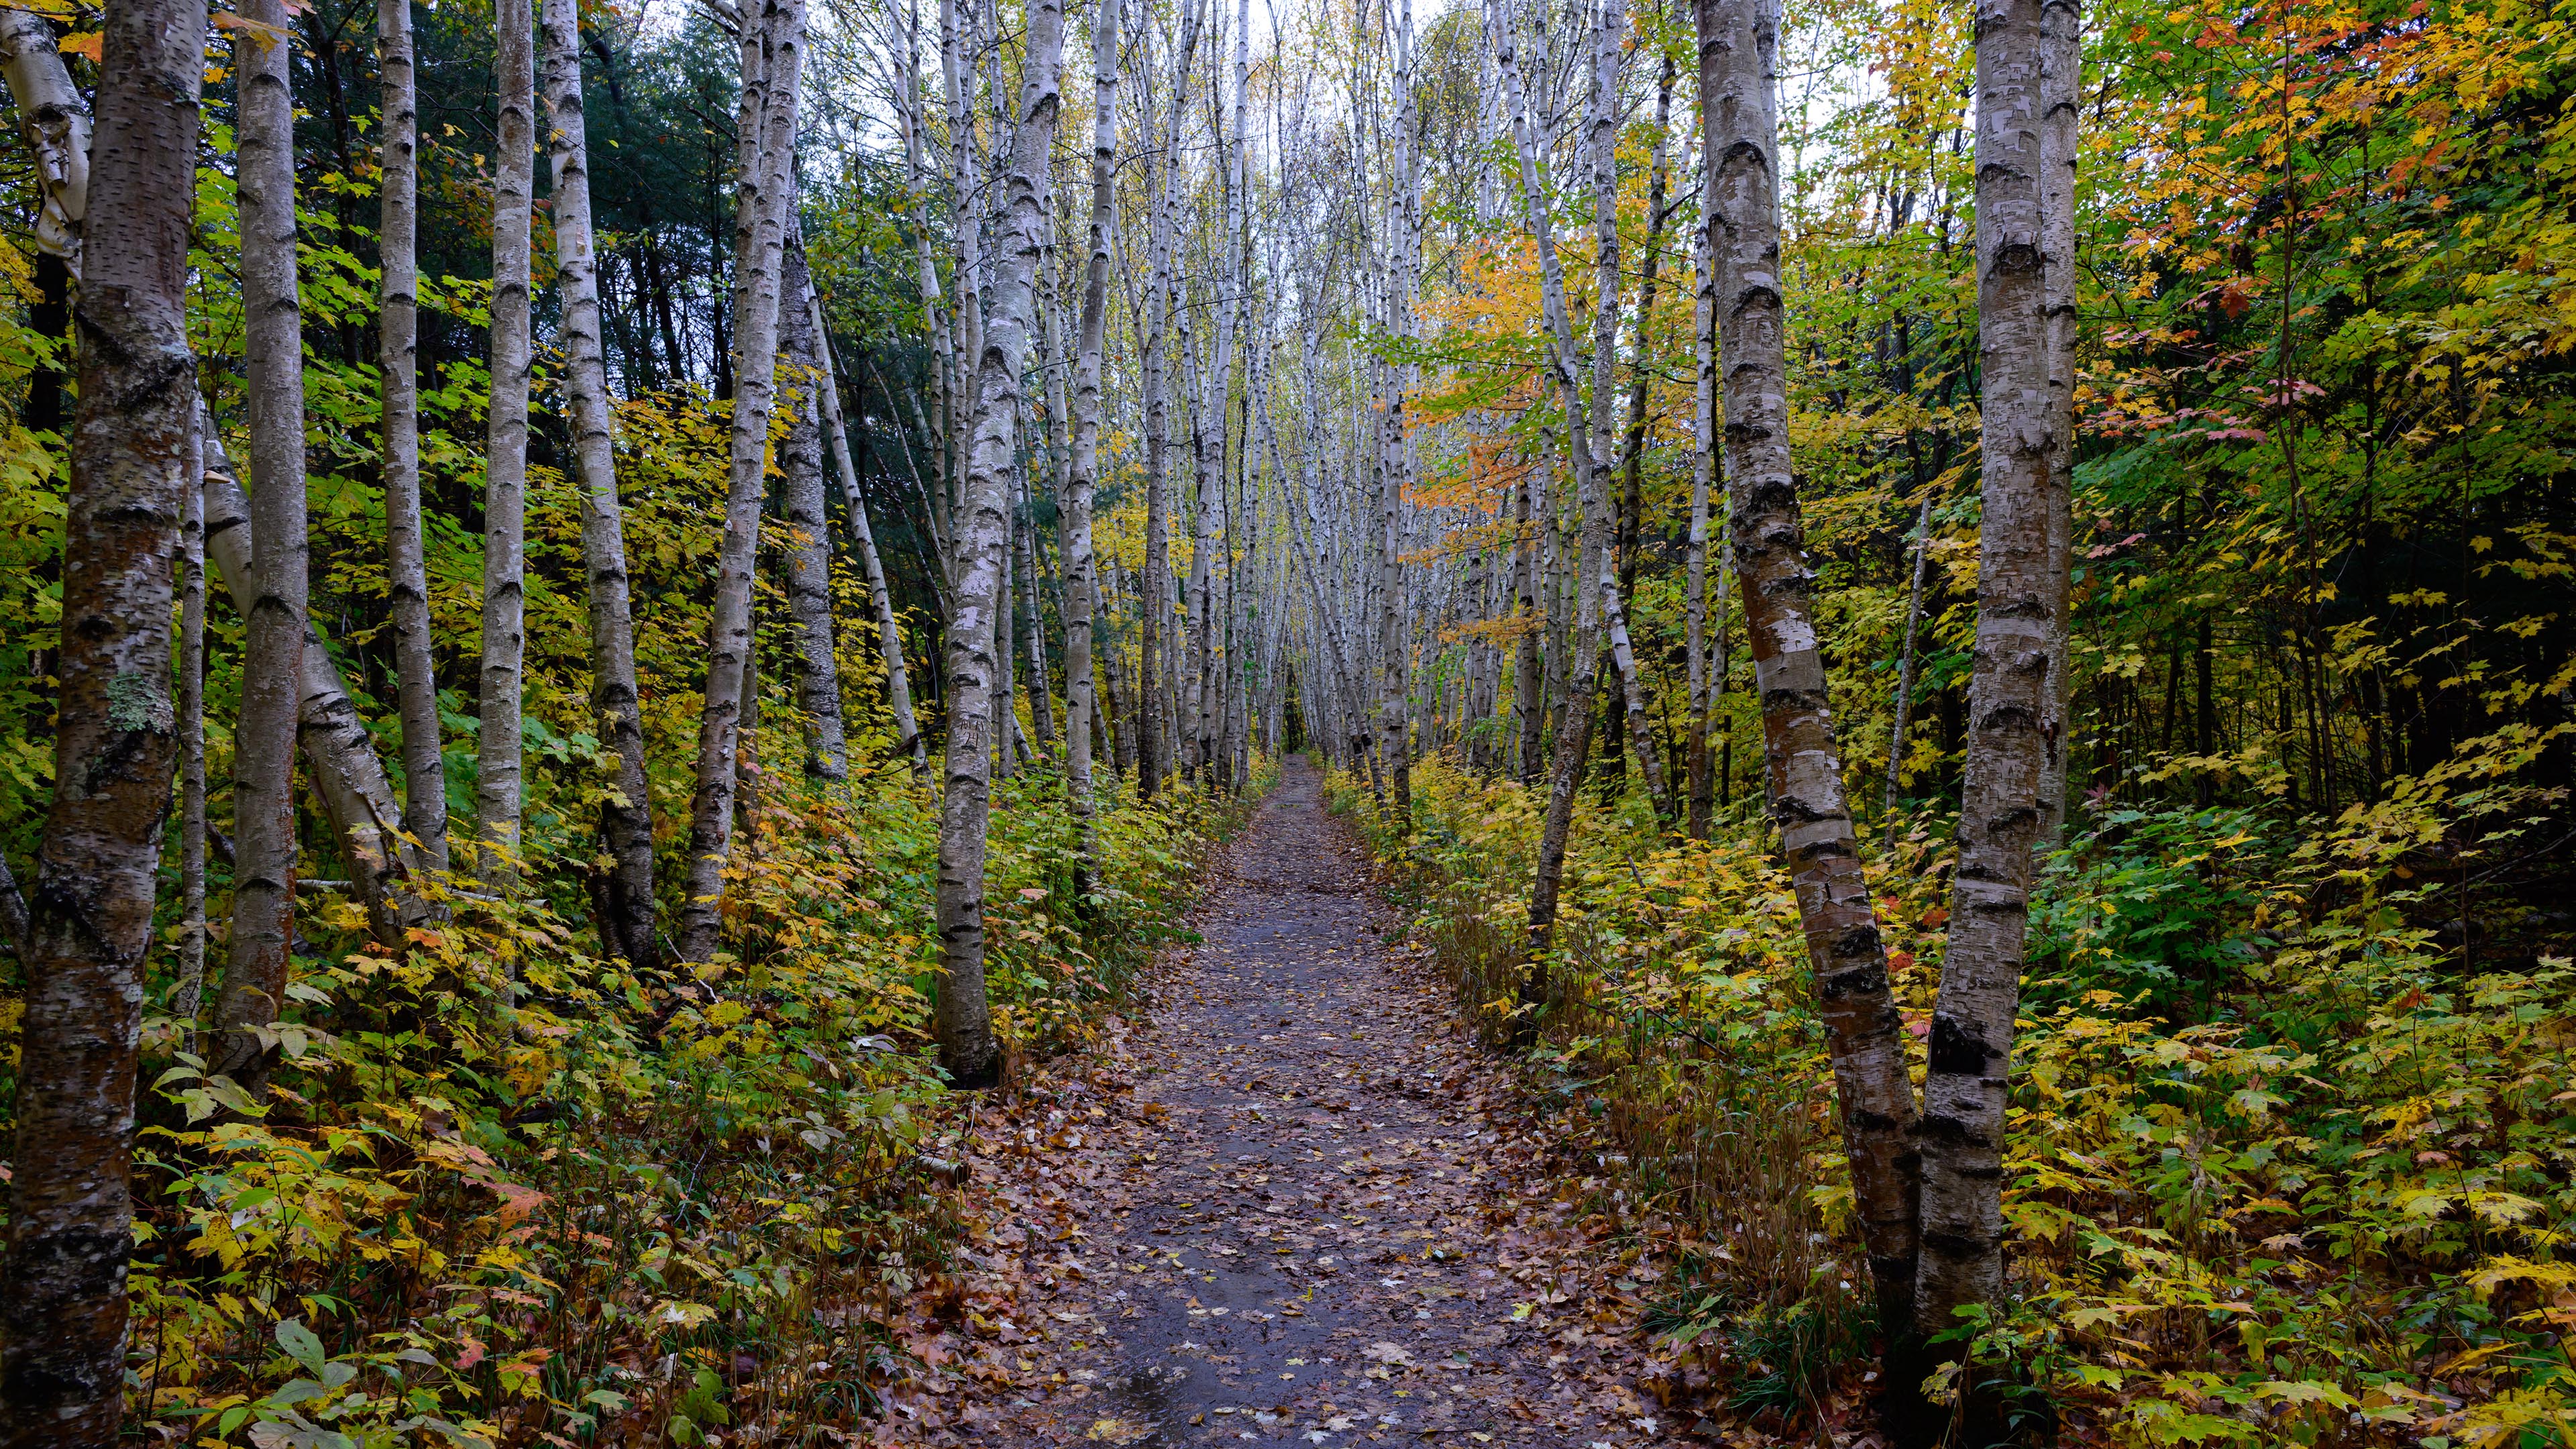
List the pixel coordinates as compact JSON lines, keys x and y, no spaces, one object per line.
{"x":1281,"y":1208}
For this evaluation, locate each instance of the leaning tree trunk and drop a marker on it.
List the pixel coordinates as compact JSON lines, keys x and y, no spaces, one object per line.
{"x":357,"y":796}
{"x":766,"y":190}
{"x":398,"y":358}
{"x":1574,"y":715}
{"x":497,"y":787}
{"x":809,"y":546}
{"x":1609,"y":34}
{"x":626,"y":816}
{"x":889,"y":627}
{"x":2007,"y":749}
{"x":1738,"y":48}
{"x":273,"y":651}
{"x":1082,"y":470}
{"x":968,"y":1050}
{"x":71,"y":1217}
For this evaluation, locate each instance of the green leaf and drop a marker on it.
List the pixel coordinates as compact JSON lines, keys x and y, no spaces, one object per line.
{"x":299,"y":1342}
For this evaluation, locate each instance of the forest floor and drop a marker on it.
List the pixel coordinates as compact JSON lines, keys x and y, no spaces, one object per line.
{"x":1290,"y":1199}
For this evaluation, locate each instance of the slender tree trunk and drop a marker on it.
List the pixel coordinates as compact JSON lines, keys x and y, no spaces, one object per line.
{"x":1610,"y":33}
{"x":1703,"y":475}
{"x":2060,"y":74}
{"x":1028,"y":599}
{"x":273,"y":651}
{"x":626,"y":817}
{"x":1738,"y":49}
{"x":1082,"y":469}
{"x":1529,"y":669}
{"x":1154,"y":758}
{"x":398,"y":358}
{"x":71,"y":1221}
{"x":962,"y":1018}
{"x":2017,"y":637}
{"x":809,"y":542}
{"x":1006,"y":628}
{"x":497,"y":751}
{"x":907,"y":727}
{"x":1574,"y":712}
{"x":189,"y":990}
{"x":766,"y":190}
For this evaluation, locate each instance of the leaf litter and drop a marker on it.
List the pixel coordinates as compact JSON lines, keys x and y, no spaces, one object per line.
{"x":1287,"y":1199}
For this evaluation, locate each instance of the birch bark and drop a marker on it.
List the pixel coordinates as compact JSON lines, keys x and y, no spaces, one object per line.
{"x":1738,"y":51}
{"x":1703,"y":475}
{"x":767,"y":192}
{"x":1154,"y":759}
{"x":2061,"y":65}
{"x":187,"y":992}
{"x":962,"y":1017}
{"x":398,"y":359}
{"x":1529,"y":672}
{"x":809,"y":542}
{"x":1082,"y":470}
{"x":273,"y":650}
{"x":626,"y":817}
{"x":1610,"y":33}
{"x":498,"y":789}
{"x":2017,"y":637}
{"x":1574,"y":711}
{"x":70,"y":1231}
{"x":907,"y":726}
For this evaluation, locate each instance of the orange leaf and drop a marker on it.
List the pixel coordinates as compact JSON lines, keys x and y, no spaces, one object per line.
{"x":83,"y":42}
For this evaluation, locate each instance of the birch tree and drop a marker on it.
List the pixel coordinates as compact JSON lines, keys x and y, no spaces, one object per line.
{"x":497,"y":787}
{"x":273,"y":648}
{"x":1738,"y":56}
{"x":907,"y":726}
{"x":71,"y":1216}
{"x":626,"y":816}
{"x":1082,"y":467}
{"x":398,"y":361}
{"x":765,"y":192}
{"x":2016,"y":642}
{"x":1574,"y":726}
{"x":808,"y":545}
{"x":962,"y":1017}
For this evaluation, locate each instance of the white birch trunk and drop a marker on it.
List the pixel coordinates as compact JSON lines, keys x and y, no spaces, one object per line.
{"x":398,"y":356}
{"x":273,"y":652}
{"x":1082,"y":468}
{"x":2017,"y":640}
{"x":766,"y":192}
{"x":962,"y":1017}
{"x":1738,"y":50}
{"x":498,"y":787}
{"x":626,"y":817}
{"x":809,"y":542}
{"x":907,"y":727}
{"x":63,"y":1322}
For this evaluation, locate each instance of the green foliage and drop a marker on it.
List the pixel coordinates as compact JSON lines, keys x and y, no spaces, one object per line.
{"x":2280,"y":1170}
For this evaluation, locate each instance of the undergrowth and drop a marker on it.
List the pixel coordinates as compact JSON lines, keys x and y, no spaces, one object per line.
{"x":2286,"y":1166}
{"x":507,"y":1191}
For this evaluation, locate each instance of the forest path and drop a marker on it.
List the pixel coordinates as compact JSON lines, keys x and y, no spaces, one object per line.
{"x":1288,"y":1204}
